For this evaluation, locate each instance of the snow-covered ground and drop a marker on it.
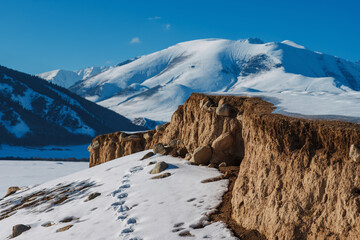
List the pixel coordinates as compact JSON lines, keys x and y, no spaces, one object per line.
{"x":29,"y":173}
{"x":131,"y":204}
{"x":44,"y":152}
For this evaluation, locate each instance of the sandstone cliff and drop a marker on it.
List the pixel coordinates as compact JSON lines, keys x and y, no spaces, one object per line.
{"x":296,"y":179}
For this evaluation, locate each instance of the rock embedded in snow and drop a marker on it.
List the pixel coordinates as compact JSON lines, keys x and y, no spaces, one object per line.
{"x":11,"y":190}
{"x":354,"y":153}
{"x":63,"y":229}
{"x":159,"y":167}
{"x":19,"y":229}
{"x":163,"y":175}
{"x":93,"y":196}
{"x":148,"y":155}
{"x":48,"y":224}
{"x":202,"y":155}
{"x":223,"y":142}
{"x":67,"y":219}
{"x":159,"y":148}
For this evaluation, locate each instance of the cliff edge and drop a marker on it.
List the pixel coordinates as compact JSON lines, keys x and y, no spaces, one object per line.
{"x":298,"y":178}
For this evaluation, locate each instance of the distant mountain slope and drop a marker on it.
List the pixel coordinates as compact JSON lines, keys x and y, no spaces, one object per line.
{"x":152,"y":86}
{"x":66,"y":78}
{"x":35,"y":112}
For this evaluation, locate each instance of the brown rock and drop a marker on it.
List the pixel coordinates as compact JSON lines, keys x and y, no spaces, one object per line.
{"x":63,"y":229}
{"x":160,"y":128}
{"x":159,"y":148}
{"x":11,"y":190}
{"x":354,"y":153}
{"x":163,"y":175}
{"x":48,"y":224}
{"x":175,"y":142}
{"x":93,"y":196}
{"x":159,"y":167}
{"x":67,"y":219}
{"x":147,"y":136}
{"x":202,"y":155}
{"x":19,"y":229}
{"x":148,"y":155}
{"x":223,"y":142}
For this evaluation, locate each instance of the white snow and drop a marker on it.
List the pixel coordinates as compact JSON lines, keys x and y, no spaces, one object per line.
{"x":131,"y":205}
{"x":293,"y":44}
{"x":65,"y":78}
{"x":165,"y":79}
{"x":28,"y":172}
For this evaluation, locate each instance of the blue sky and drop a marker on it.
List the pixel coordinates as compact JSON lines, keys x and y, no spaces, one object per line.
{"x":42,"y":35}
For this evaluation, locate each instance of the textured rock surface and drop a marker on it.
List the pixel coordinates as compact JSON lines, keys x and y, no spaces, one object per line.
{"x":159,"y":167}
{"x":19,"y":229}
{"x":202,"y":155}
{"x":298,"y":178}
{"x":354,"y":153}
{"x":11,"y":190}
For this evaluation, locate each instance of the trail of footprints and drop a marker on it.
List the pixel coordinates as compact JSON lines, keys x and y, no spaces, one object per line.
{"x":120,"y":205}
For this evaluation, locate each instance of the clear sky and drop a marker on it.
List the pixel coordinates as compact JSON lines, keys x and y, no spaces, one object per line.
{"x":42,"y":35}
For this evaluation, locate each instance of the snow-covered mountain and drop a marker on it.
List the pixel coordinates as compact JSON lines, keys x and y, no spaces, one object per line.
{"x":64,"y":78}
{"x":120,"y":200}
{"x":35,"y":112}
{"x":287,"y":73}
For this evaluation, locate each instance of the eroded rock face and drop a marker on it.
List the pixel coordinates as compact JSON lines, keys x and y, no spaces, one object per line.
{"x":354,"y":153}
{"x":298,"y":179}
{"x":159,"y":148}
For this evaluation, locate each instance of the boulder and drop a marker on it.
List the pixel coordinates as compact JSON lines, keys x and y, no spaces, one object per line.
{"x":354,"y":153}
{"x":223,"y":142}
{"x":19,"y":229}
{"x":159,"y":167}
{"x":223,"y":110}
{"x":159,"y":148}
{"x":202,"y":155}
{"x":11,"y":190}
{"x":148,"y":155}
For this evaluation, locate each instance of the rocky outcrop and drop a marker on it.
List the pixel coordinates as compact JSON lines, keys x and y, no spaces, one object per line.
{"x":298,"y":178}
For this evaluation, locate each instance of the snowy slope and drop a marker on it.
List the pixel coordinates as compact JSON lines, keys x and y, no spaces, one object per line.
{"x":131,"y":204}
{"x":34,"y":112}
{"x":64,"y":78}
{"x":153,"y":85}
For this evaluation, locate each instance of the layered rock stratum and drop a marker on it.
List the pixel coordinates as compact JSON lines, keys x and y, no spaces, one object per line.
{"x":298,"y":178}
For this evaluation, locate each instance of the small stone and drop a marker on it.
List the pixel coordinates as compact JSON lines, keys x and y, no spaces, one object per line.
{"x":11,"y":190}
{"x":185,"y":234}
{"x":151,"y":163}
{"x":64,"y":228}
{"x":159,"y":167}
{"x":202,"y":155}
{"x":188,"y":156}
{"x":223,"y":110}
{"x":19,"y":229}
{"x":67,"y":219}
{"x":354,"y":153}
{"x":148,"y":155}
{"x":163,"y":175}
{"x":159,"y":148}
{"x":223,"y":164}
{"x":92,"y":196}
{"x":48,"y":224}
{"x":223,"y":142}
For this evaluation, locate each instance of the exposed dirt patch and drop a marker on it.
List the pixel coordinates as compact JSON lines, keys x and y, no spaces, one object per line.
{"x":223,"y":212}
